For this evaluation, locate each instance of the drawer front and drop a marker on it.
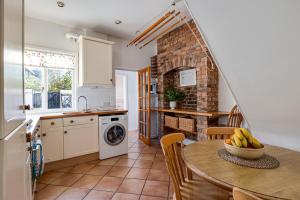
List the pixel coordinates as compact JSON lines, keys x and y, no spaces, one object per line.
{"x":72,"y":121}
{"x":51,"y":123}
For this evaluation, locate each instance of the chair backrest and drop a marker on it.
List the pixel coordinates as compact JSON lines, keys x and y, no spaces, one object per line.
{"x":218,"y":133}
{"x":239,"y":194}
{"x":235,"y":117}
{"x":171,"y":145}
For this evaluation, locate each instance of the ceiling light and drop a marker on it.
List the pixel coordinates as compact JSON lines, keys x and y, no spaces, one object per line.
{"x":118,"y":22}
{"x":61,"y":4}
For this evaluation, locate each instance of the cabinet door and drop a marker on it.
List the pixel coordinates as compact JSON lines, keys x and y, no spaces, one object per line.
{"x":13,"y":165}
{"x":28,"y":178}
{"x":80,"y":140}
{"x":52,"y":144}
{"x":98,"y":63}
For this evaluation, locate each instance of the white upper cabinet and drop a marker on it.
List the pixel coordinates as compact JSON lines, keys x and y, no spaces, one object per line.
{"x":95,"y":61}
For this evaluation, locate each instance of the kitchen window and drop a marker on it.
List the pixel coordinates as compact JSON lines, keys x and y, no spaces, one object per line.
{"x":49,"y":80}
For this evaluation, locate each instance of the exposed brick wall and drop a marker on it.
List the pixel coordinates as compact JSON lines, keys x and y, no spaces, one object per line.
{"x":179,"y":50}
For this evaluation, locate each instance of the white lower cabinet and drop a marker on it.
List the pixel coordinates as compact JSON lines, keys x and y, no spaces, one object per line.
{"x":80,"y":140}
{"x":53,"y":148}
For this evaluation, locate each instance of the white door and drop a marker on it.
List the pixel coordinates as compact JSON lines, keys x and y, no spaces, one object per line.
{"x":98,"y":63}
{"x":80,"y":140}
{"x":13,"y":170}
{"x":52,"y":139}
{"x":11,"y":65}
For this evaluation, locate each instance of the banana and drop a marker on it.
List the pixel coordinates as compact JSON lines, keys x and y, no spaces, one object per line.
{"x":245,"y":143}
{"x":246,"y":133}
{"x":233,"y":143}
{"x":237,"y":140}
{"x":238,"y":133}
{"x":255,"y":143}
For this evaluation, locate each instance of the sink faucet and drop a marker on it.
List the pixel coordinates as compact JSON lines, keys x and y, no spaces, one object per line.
{"x":86,"y":103}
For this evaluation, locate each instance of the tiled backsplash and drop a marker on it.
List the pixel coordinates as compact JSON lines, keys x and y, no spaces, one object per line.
{"x":101,"y":96}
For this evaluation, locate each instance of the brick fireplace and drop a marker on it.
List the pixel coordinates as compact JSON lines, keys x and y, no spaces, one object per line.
{"x":179,"y":50}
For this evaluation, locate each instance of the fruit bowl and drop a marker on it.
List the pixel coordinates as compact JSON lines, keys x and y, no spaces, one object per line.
{"x":247,"y":153}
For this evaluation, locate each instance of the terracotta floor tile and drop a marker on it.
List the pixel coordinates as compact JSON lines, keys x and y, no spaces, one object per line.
{"x":135,"y":150}
{"x":159,"y":157}
{"x":152,"y":198}
{"x":50,"y":192}
{"x":158,"y":175}
{"x":138,"y":173}
{"x":67,"y":179}
{"x":137,"y":145}
{"x":73,"y":194}
{"x":146,"y":156}
{"x":109,"y":183}
{"x":82,"y":168}
{"x":65,"y":169}
{"x":130,"y":144}
{"x":99,"y":195}
{"x":100,"y":170}
{"x":40,"y":186}
{"x":87,"y":181}
{"x":94,"y":162}
{"x":149,"y":150}
{"x":156,"y":188}
{"x":49,"y":177}
{"x":124,"y":162}
{"x":134,"y":186}
{"x":109,"y":161}
{"x":118,"y":171}
{"x":131,"y":155}
{"x":159,"y":165}
{"x":146,"y":164}
{"x":123,"y":196}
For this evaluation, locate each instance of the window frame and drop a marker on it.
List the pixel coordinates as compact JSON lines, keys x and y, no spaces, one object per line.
{"x":44,"y":108}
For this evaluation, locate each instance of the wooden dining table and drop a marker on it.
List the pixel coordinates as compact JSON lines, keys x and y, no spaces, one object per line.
{"x":280,"y":183}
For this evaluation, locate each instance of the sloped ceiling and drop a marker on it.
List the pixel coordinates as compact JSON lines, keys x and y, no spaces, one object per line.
{"x":257,"y":47}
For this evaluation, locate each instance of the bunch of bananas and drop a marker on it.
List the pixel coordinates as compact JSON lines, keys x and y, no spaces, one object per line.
{"x":242,"y":138}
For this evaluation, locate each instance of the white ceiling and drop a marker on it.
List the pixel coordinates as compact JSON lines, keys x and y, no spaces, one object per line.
{"x":99,"y":15}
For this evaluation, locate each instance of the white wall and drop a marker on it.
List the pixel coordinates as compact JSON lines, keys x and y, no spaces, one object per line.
{"x":52,"y":36}
{"x":132,"y":97}
{"x":131,"y":58}
{"x":256,"y":45}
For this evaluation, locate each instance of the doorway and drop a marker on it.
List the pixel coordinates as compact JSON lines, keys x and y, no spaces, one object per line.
{"x":127,"y":95}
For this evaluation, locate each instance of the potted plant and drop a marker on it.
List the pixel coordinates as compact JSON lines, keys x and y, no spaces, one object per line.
{"x":173,"y":95}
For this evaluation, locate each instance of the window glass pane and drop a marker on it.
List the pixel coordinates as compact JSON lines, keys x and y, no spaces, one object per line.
{"x":33,"y":82}
{"x":59,"y":88}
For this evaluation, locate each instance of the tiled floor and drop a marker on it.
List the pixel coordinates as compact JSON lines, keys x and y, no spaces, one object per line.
{"x":140,"y":175}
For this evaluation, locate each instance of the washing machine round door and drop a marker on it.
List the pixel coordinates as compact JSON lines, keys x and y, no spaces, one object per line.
{"x":114,"y":134}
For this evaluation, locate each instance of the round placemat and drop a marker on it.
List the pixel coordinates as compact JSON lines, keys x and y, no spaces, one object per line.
{"x":264,"y":162}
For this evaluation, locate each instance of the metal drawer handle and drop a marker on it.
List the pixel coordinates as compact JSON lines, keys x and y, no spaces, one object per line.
{"x":44,"y":134}
{"x":52,"y":123}
{"x":65,"y":132}
{"x":72,"y":121}
{"x":92,"y":119}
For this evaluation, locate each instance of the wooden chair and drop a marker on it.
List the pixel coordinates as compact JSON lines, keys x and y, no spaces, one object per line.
{"x":218,"y":133}
{"x":239,"y":194}
{"x":184,"y":188}
{"x":235,"y":117}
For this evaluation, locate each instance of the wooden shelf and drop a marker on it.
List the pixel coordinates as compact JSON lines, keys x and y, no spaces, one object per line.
{"x":178,"y":129}
{"x":192,"y":112}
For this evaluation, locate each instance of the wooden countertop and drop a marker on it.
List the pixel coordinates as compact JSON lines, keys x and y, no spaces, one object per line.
{"x":77,"y":114}
{"x":192,"y":112}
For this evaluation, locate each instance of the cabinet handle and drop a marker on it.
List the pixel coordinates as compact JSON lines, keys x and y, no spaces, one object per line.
{"x":25,"y":107}
{"x":28,"y":137}
{"x":44,"y":134}
{"x":52,"y":123}
{"x":72,"y":121}
{"x":92,"y":119}
{"x":65,"y":132}
{"x":38,"y":136}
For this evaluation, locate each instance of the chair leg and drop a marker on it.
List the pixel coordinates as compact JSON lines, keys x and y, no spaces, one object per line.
{"x":189,"y":174}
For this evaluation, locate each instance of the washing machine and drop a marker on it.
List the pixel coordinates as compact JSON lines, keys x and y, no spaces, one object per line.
{"x":113,"y":136}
